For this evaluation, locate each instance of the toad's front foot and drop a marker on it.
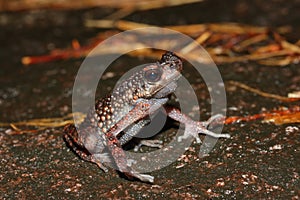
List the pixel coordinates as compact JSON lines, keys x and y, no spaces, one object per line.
{"x":148,"y":143}
{"x":193,"y":128}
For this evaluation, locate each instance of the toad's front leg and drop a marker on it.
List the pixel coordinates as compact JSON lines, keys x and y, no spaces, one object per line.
{"x":193,"y":128}
{"x":142,"y":109}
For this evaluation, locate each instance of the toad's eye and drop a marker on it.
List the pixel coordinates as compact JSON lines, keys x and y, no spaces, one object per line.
{"x":153,"y":75}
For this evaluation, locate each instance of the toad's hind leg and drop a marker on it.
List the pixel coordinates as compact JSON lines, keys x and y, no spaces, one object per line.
{"x":75,"y":143}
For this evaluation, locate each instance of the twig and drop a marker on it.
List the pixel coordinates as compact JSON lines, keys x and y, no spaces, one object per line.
{"x":44,"y":123}
{"x":278,"y":117}
{"x":16,"y":5}
{"x":261,"y":93}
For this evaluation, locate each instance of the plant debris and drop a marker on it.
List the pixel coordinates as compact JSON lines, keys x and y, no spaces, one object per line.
{"x":226,"y":43}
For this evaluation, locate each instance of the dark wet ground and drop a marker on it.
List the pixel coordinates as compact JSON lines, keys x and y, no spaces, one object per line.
{"x":259,"y":161}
